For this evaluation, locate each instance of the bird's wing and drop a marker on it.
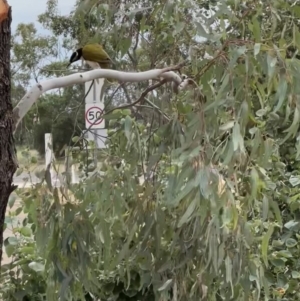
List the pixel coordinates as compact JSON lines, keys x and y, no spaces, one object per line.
{"x":95,"y":53}
{"x":106,"y":54}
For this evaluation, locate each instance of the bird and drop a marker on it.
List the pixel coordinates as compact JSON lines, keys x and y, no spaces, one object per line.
{"x":94,"y":55}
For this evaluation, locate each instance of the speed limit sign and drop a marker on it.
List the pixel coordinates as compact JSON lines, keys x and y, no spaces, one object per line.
{"x":93,"y":114}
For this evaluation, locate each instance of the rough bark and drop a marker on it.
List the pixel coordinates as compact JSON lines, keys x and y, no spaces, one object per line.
{"x":8,"y":162}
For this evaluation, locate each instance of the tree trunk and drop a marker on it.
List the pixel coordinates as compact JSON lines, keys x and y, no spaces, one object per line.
{"x":8,"y":161}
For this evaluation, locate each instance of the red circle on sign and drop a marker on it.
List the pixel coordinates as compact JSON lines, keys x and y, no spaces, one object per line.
{"x":88,"y":111}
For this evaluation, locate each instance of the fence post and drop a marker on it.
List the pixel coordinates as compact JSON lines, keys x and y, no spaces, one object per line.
{"x":52,"y":177}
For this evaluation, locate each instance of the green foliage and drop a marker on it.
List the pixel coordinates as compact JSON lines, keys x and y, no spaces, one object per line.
{"x":217,"y":217}
{"x":32,"y":60}
{"x":30,"y":51}
{"x":22,"y":275}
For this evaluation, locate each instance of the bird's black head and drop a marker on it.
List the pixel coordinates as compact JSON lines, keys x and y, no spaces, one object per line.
{"x":76,"y":56}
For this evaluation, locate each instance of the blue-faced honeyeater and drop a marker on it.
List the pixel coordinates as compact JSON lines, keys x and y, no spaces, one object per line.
{"x":94,"y":55}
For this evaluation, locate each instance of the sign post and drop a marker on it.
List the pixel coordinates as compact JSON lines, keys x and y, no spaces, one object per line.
{"x":49,"y":158}
{"x":94,"y":108}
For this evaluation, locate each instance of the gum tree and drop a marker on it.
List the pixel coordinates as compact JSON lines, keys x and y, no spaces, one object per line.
{"x":8,"y":161}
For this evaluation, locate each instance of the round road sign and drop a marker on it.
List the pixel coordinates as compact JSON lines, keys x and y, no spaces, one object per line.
{"x":92,"y":115}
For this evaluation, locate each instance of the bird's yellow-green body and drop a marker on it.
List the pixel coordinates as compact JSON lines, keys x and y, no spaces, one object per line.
{"x":94,"y":55}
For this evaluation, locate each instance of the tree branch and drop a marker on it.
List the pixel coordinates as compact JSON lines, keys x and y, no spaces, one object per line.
{"x":37,"y":90}
{"x":143,"y":95}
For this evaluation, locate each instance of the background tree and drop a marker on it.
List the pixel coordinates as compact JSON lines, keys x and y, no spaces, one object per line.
{"x":61,"y":115}
{"x":34,"y":58}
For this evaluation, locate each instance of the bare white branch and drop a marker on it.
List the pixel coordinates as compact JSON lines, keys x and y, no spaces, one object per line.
{"x":79,"y":78}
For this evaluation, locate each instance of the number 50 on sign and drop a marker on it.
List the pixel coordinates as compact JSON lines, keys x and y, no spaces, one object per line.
{"x":93,"y":119}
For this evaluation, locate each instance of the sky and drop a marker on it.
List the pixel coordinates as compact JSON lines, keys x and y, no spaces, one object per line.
{"x":26,"y":11}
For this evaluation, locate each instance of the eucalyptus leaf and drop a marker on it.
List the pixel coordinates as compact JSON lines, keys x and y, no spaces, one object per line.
{"x":128,"y":125}
{"x":295,"y":274}
{"x":189,"y":211}
{"x":36,"y":266}
{"x":265,"y":243}
{"x":281,"y":93}
{"x":227,"y":126}
{"x":256,"y":49}
{"x":165,"y":285}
